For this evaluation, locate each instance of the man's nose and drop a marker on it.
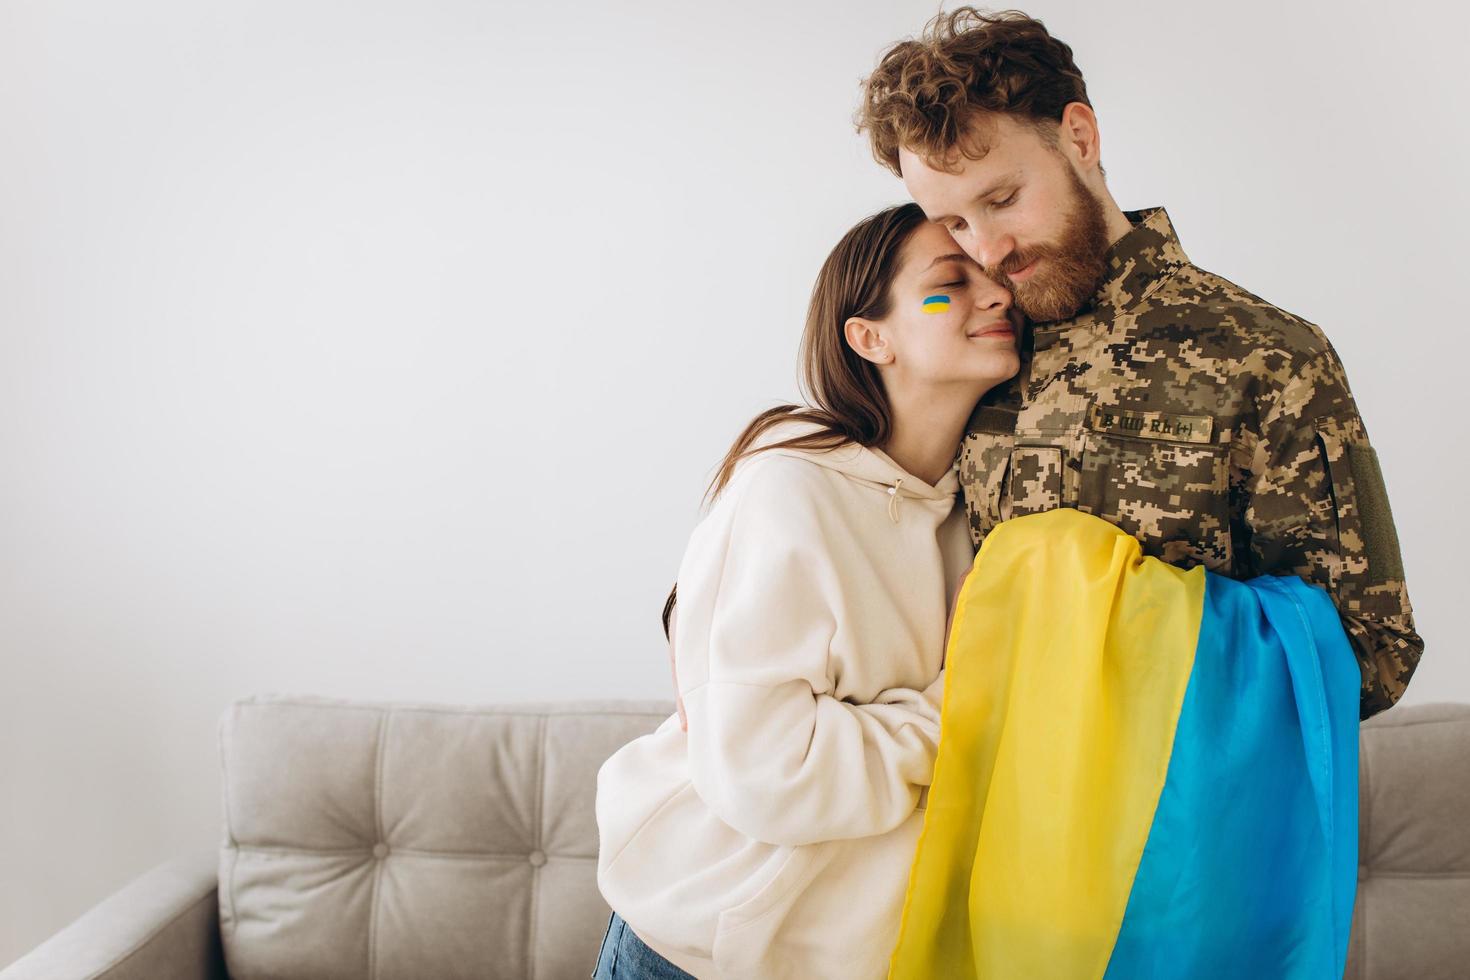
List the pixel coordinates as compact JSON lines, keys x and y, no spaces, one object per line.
{"x":989,"y":249}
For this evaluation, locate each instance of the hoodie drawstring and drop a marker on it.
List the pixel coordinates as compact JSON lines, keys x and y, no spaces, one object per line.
{"x":893,"y":500}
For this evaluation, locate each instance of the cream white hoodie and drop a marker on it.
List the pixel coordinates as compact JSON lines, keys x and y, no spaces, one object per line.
{"x":775,"y":838}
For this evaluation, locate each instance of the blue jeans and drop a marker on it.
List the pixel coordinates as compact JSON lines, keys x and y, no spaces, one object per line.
{"x":626,"y":957}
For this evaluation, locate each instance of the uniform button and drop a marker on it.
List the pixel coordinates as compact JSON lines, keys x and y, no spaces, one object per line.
{"x":537,"y":858}
{"x":380,"y":850}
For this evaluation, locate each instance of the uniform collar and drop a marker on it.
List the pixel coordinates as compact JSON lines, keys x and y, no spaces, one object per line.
{"x":1146,"y":254}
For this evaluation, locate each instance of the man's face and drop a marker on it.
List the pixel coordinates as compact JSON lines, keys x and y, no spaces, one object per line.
{"x":1022,"y":213}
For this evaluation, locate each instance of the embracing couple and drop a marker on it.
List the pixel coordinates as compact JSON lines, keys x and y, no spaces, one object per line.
{"x":1010,"y":343}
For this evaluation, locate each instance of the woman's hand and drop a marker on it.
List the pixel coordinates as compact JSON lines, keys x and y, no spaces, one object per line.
{"x":678,"y":701}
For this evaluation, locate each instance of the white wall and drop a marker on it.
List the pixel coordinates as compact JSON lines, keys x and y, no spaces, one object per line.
{"x":342,"y":343}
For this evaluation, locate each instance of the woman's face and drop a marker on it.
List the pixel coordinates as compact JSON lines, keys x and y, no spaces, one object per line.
{"x":949,"y":325}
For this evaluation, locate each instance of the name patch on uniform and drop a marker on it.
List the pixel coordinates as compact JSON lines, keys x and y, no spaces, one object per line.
{"x":1152,"y":425}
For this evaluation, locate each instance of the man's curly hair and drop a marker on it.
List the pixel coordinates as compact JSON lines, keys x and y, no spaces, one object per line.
{"x":929,"y":95}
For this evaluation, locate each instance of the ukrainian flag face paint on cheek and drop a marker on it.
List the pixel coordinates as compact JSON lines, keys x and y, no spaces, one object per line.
{"x":936,"y":304}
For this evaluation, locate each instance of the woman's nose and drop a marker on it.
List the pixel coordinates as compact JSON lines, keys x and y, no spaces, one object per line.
{"x":992,"y":296}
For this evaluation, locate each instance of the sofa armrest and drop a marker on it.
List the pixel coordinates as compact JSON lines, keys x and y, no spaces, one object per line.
{"x":162,"y":925}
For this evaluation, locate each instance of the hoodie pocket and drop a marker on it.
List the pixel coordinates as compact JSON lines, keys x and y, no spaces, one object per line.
{"x":684,"y":876}
{"x":746,"y":935}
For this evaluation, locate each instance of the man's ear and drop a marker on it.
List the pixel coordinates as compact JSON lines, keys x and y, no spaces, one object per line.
{"x":1081,"y":140}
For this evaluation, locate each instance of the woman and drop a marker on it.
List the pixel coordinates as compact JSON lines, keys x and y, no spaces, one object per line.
{"x":774,"y":838}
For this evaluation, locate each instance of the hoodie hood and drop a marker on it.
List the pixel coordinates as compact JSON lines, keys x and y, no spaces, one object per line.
{"x":864,"y":464}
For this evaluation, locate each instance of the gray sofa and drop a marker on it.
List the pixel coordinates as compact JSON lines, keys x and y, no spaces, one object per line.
{"x":425,"y":841}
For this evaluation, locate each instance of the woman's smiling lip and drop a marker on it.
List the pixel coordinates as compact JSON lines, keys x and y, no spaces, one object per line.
{"x":994,"y":329}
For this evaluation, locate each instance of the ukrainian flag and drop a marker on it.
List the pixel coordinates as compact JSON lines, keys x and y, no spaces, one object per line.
{"x":1143,"y":772}
{"x":936,"y":304}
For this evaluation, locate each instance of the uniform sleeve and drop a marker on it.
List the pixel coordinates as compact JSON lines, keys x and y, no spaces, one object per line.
{"x":1317,"y":508}
{"x":771,"y":751}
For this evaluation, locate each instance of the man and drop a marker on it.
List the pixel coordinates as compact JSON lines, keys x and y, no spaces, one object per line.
{"x":1216,"y":428}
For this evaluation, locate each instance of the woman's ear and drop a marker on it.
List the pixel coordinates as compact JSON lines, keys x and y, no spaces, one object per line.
{"x":863,"y":336}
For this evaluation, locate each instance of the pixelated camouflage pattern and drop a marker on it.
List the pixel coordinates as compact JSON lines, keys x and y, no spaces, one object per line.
{"x":1216,"y":428}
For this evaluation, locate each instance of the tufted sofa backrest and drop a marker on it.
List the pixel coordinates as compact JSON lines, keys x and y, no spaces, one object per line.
{"x":1412,"y":914}
{"x":397,"y":841}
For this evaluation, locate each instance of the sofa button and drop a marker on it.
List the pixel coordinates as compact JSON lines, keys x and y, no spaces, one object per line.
{"x":537,"y":858}
{"x":380,"y":850}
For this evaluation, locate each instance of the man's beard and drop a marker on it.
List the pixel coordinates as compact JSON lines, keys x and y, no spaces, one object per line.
{"x":1071,"y":269}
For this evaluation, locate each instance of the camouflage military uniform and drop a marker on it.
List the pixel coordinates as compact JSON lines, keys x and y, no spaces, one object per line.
{"x":1215,"y":428}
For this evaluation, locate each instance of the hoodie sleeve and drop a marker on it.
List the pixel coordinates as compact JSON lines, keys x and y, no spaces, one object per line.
{"x":771,"y":751}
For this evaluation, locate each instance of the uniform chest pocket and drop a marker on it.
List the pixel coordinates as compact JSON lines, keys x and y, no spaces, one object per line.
{"x":1034,"y":483}
{"x":1173,"y":496}
{"x":985,"y":457}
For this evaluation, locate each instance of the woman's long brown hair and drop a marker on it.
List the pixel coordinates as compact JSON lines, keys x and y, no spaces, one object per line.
{"x":844,"y":390}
